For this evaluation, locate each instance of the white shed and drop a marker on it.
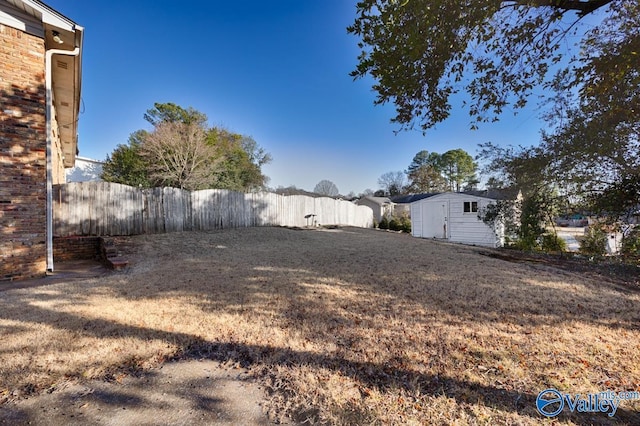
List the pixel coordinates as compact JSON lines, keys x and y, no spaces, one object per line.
{"x":453,"y":216}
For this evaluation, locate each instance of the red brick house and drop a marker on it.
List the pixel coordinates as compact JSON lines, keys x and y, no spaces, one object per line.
{"x":40,"y":76}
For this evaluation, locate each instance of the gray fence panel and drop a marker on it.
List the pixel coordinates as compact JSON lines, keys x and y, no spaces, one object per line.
{"x":103,"y":208}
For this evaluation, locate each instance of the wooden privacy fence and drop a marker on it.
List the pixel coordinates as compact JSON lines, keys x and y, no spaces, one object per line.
{"x":103,"y":208}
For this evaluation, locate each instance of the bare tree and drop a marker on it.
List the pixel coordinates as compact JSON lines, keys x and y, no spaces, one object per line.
{"x":393,"y":183}
{"x":326,"y":187}
{"x":179,"y":155}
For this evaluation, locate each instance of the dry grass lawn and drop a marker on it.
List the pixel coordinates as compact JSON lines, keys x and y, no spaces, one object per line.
{"x":343,"y":326}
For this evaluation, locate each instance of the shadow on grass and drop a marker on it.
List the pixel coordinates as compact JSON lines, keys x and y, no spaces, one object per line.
{"x":445,"y":279}
{"x":383,"y":377}
{"x":328,"y":287}
{"x":195,"y":392}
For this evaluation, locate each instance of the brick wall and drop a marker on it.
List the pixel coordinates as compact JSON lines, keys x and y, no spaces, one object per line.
{"x":76,"y":248}
{"x":22,"y":155}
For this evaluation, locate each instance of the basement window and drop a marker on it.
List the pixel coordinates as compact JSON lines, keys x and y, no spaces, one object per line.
{"x":470,"y":206}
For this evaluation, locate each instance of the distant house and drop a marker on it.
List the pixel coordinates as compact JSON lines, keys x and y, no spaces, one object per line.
{"x":85,"y":170}
{"x":402,"y":203}
{"x":40,"y":76}
{"x":454,"y":216}
{"x":381,"y":206}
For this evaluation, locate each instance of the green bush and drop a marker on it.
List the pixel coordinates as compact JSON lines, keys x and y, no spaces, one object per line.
{"x":400,"y":223}
{"x":551,"y":243}
{"x":405,"y":224}
{"x":594,"y":242}
{"x":527,"y":243}
{"x":396,"y":223}
{"x":384,"y":223}
{"x":631,"y":245}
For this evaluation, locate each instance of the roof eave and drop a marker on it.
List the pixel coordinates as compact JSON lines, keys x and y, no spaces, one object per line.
{"x":73,"y":37}
{"x":50,"y":16}
{"x":70,"y":156}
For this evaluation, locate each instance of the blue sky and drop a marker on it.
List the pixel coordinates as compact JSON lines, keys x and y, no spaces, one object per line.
{"x":274,"y":70}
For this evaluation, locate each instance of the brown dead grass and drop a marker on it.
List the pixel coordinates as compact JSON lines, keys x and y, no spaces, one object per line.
{"x":342,"y":327}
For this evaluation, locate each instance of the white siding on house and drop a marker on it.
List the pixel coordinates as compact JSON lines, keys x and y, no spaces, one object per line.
{"x":381,"y":206}
{"x":85,"y":170}
{"x":462,"y":227}
{"x":377,"y":208}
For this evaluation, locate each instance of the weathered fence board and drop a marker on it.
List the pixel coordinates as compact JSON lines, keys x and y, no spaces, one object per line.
{"x":102,"y":208}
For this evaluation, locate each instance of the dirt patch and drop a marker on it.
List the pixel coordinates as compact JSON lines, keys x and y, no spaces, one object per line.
{"x":342,"y":326}
{"x":65,"y":271}
{"x":195,"y":392}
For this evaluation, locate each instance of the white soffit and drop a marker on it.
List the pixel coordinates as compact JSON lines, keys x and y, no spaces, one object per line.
{"x":36,"y":18}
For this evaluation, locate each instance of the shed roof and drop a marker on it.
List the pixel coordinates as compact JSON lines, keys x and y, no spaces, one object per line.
{"x":493,"y":194}
{"x":407,"y":199}
{"x":496,"y":194}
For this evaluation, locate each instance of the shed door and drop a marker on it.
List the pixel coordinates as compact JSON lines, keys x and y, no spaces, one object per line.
{"x":434,"y":220}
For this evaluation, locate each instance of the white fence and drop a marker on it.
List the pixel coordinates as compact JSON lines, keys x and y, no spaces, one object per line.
{"x":103,"y":208}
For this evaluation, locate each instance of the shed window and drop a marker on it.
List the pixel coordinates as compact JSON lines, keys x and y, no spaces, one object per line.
{"x":470,"y":206}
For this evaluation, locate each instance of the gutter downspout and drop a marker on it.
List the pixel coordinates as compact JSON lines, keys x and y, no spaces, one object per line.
{"x":49,"y":152}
